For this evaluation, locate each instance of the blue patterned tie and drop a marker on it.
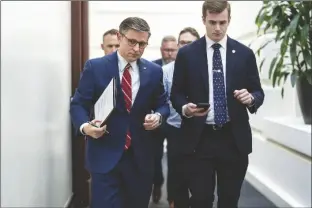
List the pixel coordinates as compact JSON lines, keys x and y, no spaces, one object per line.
{"x":219,"y":98}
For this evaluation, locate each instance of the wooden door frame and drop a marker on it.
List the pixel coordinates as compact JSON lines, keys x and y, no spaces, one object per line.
{"x":79,"y":55}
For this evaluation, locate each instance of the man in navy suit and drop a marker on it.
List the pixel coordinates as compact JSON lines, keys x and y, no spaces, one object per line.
{"x":121,"y":162}
{"x":217,"y":140}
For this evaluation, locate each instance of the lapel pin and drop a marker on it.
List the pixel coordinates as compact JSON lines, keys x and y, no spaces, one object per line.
{"x":233,"y":51}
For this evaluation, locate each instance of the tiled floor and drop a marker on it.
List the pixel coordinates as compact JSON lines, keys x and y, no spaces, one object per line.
{"x":250,"y":197}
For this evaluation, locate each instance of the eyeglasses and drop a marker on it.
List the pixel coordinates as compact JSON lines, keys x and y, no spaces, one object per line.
{"x":183,"y":42}
{"x":169,"y":50}
{"x":133,"y":43}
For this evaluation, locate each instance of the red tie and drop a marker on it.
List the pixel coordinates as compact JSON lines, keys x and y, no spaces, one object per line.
{"x":127,"y":91}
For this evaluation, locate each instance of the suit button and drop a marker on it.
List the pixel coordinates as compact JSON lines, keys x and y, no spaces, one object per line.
{"x":194,"y":151}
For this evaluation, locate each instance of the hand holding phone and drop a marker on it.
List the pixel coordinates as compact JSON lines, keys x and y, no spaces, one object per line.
{"x":205,"y":106}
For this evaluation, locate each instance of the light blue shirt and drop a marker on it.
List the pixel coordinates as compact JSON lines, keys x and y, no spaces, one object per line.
{"x":174,"y":118}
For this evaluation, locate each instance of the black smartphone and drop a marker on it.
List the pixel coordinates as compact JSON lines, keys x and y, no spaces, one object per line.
{"x":205,"y":106}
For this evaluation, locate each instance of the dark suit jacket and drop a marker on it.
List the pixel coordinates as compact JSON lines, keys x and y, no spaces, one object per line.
{"x":103,"y":154}
{"x":158,"y":62}
{"x":190,"y":84}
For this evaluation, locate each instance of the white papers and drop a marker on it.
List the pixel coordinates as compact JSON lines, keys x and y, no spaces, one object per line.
{"x":106,"y":103}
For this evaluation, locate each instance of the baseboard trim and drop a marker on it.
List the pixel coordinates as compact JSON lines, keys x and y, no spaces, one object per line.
{"x":70,"y":201}
{"x":277,"y":197}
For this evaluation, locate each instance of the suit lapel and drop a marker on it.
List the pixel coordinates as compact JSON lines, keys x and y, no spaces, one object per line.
{"x":230,"y":64}
{"x":202,"y":60}
{"x":113,"y":67}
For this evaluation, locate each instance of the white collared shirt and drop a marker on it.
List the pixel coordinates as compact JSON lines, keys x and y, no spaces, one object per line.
{"x":209,"y":43}
{"x":134,"y":72}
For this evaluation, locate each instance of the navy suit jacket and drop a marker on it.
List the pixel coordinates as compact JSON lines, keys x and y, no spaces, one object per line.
{"x":190,"y":84}
{"x":159,"y":62}
{"x":103,"y":154}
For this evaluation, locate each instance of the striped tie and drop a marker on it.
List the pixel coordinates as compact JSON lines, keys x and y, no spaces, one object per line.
{"x":127,"y":91}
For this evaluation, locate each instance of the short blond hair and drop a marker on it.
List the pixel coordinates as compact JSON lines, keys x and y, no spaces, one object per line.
{"x":168,"y":38}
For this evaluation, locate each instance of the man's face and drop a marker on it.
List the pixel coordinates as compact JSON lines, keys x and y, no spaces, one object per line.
{"x":216,"y":24}
{"x":169,"y":51}
{"x":110,"y":44}
{"x":132,"y":44}
{"x":185,"y":39}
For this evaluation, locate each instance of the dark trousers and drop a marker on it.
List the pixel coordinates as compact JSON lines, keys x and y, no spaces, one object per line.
{"x":159,"y":136}
{"x":173,"y":136}
{"x":124,"y":187}
{"x":216,"y":154}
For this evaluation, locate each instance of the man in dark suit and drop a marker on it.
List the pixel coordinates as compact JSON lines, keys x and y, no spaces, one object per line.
{"x":121,"y":161}
{"x":110,"y":41}
{"x":222,"y":72}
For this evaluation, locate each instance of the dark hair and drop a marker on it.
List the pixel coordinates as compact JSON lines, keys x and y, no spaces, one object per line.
{"x":216,"y":7}
{"x":134,"y":23}
{"x":110,"y":32}
{"x":189,"y":30}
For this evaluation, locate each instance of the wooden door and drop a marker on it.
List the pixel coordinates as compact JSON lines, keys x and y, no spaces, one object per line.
{"x":79,"y":55}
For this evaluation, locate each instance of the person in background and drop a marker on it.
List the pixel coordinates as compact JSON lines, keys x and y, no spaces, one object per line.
{"x":168,"y":50}
{"x":219,"y":71}
{"x":172,"y":126}
{"x":110,"y":41}
{"x":119,"y":154}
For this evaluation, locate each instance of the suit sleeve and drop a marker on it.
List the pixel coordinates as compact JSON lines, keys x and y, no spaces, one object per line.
{"x":253,"y":83}
{"x":178,"y":91}
{"x":162,"y":105}
{"x":82,"y":100}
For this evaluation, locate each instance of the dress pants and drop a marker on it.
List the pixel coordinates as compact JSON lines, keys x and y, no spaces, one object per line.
{"x":215,"y":155}
{"x":159,"y":136}
{"x":173,"y":135}
{"x":123,"y":187}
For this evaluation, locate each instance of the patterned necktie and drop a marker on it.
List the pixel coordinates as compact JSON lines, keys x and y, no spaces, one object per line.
{"x":219,"y":98}
{"x":127,"y":91}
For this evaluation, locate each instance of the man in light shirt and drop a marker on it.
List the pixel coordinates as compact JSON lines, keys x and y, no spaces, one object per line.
{"x":172,"y":126}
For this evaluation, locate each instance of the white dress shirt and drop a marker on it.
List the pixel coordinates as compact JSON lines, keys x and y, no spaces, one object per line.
{"x":135,"y":78}
{"x":209,"y":43}
{"x":209,"y":49}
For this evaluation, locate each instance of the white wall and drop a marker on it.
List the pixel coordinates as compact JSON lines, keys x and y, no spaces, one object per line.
{"x":164,"y":18}
{"x":35,"y":94}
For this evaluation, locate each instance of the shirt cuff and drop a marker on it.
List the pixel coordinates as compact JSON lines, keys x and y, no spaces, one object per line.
{"x":81,"y":128}
{"x":183,"y":112}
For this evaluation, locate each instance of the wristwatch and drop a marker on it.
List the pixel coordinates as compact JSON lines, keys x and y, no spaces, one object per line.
{"x":160,"y":117}
{"x":252,"y":103}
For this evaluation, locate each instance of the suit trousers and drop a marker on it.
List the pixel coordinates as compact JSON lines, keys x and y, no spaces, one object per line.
{"x":173,"y":135}
{"x":123,"y":187}
{"x":215,"y":155}
{"x":159,"y":136}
